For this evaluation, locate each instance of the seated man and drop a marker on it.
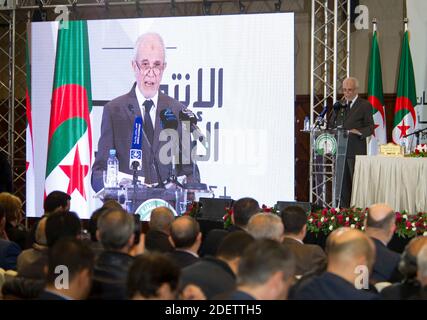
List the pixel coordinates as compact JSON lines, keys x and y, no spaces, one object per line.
{"x":186,"y":237}
{"x":309,"y":257}
{"x":266,"y":226}
{"x":157,"y":237}
{"x":9,"y":250}
{"x":351,"y":255}
{"x":266,"y":272}
{"x":153,"y":276}
{"x":72,"y":279}
{"x":116,"y":233}
{"x":223,"y":266}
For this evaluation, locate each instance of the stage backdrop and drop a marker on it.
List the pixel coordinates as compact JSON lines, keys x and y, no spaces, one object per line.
{"x":417,"y":25}
{"x":235,"y":72}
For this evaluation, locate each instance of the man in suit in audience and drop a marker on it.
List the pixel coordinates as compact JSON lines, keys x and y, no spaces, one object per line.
{"x":157,"y":237}
{"x":266,"y":226}
{"x":380,"y":226}
{"x":309,"y":257}
{"x":223,"y":267}
{"x":351,"y":255}
{"x":9,"y":251}
{"x":355,"y":115}
{"x":116,"y":232}
{"x":76,"y":260}
{"x":266,"y":272}
{"x":186,"y":237}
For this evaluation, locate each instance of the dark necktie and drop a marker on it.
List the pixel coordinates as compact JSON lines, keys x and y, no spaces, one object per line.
{"x":349,"y":105}
{"x":148,"y":124}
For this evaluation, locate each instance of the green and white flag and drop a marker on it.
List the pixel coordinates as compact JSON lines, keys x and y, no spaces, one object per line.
{"x":70,"y":135}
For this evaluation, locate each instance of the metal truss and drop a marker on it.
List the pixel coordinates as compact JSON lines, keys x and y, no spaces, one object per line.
{"x":15,"y":14}
{"x":330,"y":57}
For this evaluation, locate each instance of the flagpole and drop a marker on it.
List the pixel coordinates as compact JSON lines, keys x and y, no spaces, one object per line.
{"x":374,"y":25}
{"x":405,"y":21}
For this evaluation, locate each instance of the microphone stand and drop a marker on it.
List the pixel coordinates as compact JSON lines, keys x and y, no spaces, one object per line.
{"x":134,"y":184}
{"x":417,"y":135}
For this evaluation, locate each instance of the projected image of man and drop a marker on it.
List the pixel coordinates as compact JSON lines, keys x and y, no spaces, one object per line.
{"x":146,"y":101}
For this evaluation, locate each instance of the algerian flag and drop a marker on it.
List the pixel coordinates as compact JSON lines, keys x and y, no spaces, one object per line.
{"x":405,"y":119}
{"x":376,"y":98}
{"x":70,"y":134}
{"x":29,"y":152}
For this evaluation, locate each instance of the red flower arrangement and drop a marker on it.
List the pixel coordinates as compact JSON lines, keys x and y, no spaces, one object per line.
{"x":229,"y":213}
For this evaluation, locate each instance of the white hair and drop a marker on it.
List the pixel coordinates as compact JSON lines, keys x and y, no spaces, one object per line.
{"x":149,"y":36}
{"x":265,"y":226}
{"x":354,"y":80}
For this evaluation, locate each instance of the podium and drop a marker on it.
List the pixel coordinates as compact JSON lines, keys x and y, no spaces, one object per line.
{"x":327,"y":164}
{"x":142,"y":200}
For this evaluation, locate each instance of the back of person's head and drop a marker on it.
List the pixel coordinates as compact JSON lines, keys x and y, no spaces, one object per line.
{"x":262,"y":259}
{"x":265,"y":226}
{"x":112,"y":204}
{"x":348,"y":246}
{"x":71,"y":256}
{"x":233,"y":245}
{"x":243,"y":210}
{"x":185,"y":231}
{"x":380,"y":216}
{"x":40,"y":235}
{"x":93,"y":222}
{"x":422,"y":265}
{"x":294,"y":219}
{"x":153,"y":276}
{"x":161,"y":219}
{"x":56,"y":200}
{"x":62,"y":224}
{"x":408,"y":259}
{"x":12,"y":206}
{"x":115,"y":229}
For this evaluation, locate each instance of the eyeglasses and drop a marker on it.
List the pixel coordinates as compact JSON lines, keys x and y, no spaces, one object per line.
{"x":145,"y":67}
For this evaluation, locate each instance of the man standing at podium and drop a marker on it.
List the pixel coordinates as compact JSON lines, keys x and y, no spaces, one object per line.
{"x":355,"y":115}
{"x":146,"y":101}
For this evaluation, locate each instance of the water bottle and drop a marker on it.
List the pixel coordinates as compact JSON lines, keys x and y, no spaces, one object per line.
{"x":404,"y":146}
{"x":112,"y":170}
{"x":306,"y":123}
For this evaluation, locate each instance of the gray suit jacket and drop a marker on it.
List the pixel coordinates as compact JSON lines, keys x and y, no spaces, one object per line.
{"x":358,"y":117}
{"x":116,"y":133}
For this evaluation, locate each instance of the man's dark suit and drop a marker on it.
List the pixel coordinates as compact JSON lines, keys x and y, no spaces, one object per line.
{"x":182,"y":258}
{"x":386,"y":264}
{"x":157,"y":241}
{"x":359,"y":117}
{"x":116,"y":133}
{"x":329,"y":286}
{"x":9,"y":252}
{"x":309,"y":257}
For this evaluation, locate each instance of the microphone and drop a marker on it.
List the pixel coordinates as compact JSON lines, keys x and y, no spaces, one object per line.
{"x":168,"y":119}
{"x":135,"y":152}
{"x":320,"y":117}
{"x":188,"y":115}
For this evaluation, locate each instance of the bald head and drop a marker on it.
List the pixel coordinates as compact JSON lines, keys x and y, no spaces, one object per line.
{"x":266,"y":226}
{"x":380,"y":216}
{"x":184,"y":232}
{"x":350,"y":87}
{"x":347,"y":247}
{"x":161,"y":219}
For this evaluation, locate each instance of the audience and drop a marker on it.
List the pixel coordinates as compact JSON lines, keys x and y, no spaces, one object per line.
{"x":409,"y":286}
{"x":70,"y":269}
{"x":32,"y":262}
{"x":309,"y":258}
{"x":351,"y":255}
{"x":157,"y":237}
{"x":422,"y":273}
{"x":186,"y":238}
{"x":94,"y":244}
{"x":224,"y":266}
{"x":243,"y":210}
{"x":265,"y":226}
{"x":265,"y":272}
{"x":116,"y":233}
{"x":380,"y":226}
{"x":153,"y":276}
{"x":56,"y":201}
{"x":62,"y":224}
{"x":9,"y":251}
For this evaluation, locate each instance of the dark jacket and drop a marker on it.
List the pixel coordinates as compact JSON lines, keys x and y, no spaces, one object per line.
{"x":386,"y":264}
{"x":46,"y":295}
{"x":401,"y":291}
{"x":213,"y":276}
{"x":18,"y":235}
{"x":110,"y":276}
{"x":182,"y":258}
{"x":329,"y":286}
{"x":157,"y":241}
{"x":9,"y":252}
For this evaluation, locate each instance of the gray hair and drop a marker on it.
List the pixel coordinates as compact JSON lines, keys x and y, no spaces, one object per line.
{"x":149,"y":36}
{"x":265,"y":226}
{"x":422,"y":261}
{"x":115,"y":229}
{"x":354,"y":80}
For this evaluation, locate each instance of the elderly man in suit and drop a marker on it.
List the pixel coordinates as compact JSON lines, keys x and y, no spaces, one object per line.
{"x":146,"y":101}
{"x":356,"y":117}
